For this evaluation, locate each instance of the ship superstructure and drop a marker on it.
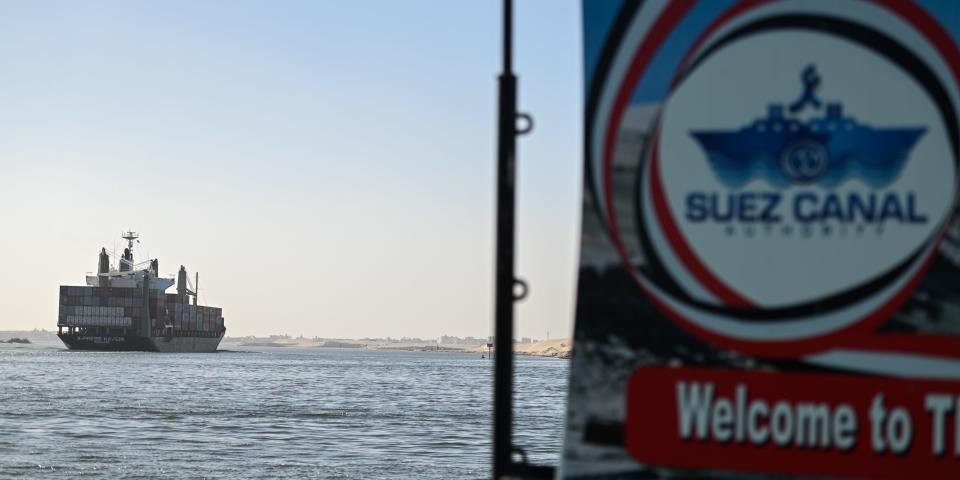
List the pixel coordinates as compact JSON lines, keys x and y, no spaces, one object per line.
{"x":125,"y":307}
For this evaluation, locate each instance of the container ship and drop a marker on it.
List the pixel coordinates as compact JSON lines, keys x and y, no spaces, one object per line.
{"x":125,"y":307}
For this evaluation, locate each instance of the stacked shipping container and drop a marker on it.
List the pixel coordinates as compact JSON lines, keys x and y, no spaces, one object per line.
{"x":124,"y":308}
{"x":185,"y":317}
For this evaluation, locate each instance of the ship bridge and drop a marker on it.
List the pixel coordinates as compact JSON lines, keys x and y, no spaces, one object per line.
{"x":125,"y":272}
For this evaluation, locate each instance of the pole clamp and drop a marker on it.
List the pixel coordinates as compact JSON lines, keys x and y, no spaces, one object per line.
{"x":520,"y":289}
{"x":524,"y":124}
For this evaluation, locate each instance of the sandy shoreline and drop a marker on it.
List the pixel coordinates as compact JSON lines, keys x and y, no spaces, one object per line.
{"x":557,"y":348}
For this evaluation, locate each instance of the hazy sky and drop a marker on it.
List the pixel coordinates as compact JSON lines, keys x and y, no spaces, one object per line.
{"x":327,"y":166}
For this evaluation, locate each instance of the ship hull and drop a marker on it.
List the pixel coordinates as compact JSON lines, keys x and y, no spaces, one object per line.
{"x":118,"y":343}
{"x":185,"y":344}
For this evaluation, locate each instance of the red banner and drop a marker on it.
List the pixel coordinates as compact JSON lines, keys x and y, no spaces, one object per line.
{"x":794,"y":423}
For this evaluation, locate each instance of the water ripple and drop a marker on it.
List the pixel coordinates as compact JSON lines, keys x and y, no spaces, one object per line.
{"x":265,"y":413}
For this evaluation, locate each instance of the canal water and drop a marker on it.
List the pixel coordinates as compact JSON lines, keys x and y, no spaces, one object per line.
{"x":265,"y":413}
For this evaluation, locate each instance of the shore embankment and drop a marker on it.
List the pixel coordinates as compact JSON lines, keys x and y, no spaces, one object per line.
{"x":557,"y":348}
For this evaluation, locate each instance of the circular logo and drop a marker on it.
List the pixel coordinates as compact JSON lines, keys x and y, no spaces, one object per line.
{"x":795,"y":184}
{"x":804,"y":160}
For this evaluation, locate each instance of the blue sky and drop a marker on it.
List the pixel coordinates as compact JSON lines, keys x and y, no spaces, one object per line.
{"x":328,"y":167}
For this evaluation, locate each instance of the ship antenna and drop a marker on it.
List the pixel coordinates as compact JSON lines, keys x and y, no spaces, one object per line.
{"x":130,"y":236}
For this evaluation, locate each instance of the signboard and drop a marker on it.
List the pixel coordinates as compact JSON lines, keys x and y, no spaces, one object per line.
{"x":770,"y":263}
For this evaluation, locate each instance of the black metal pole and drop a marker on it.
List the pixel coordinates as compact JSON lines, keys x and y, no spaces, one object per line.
{"x":503,"y":340}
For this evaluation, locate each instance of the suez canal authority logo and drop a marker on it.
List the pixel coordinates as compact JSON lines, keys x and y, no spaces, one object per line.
{"x":796,"y":231}
{"x":823,"y":152}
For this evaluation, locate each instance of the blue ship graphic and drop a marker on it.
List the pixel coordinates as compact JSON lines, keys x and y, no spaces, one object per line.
{"x":824,"y":150}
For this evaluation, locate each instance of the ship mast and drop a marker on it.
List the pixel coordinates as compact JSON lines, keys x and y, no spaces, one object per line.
{"x":126,"y":262}
{"x":130,"y":236}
